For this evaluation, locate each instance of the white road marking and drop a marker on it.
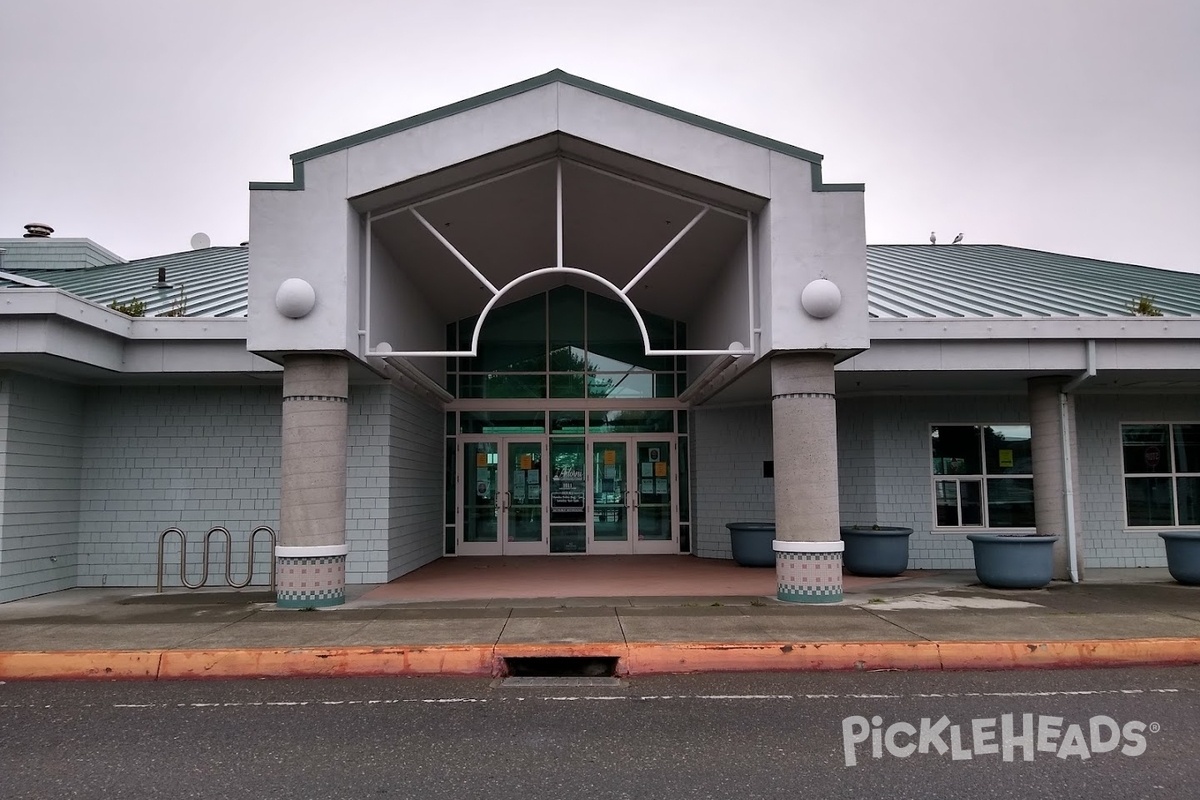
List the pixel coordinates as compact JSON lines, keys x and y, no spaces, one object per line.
{"x":610,"y":698}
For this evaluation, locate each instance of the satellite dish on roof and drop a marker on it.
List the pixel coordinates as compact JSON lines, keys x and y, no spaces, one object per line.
{"x":201,"y":241}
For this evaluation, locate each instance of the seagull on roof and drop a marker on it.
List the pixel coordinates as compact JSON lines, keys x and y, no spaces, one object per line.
{"x":957,"y":239}
{"x":933,"y":237}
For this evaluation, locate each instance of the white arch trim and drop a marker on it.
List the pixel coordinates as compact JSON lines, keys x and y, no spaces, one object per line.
{"x":612,"y":287}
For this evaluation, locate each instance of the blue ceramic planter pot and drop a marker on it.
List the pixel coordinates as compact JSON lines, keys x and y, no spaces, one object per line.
{"x":1183,"y":556}
{"x":1013,"y":561}
{"x":752,"y":543}
{"x":875,"y":551}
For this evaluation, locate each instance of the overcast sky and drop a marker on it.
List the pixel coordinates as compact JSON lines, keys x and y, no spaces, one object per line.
{"x":1063,"y":125}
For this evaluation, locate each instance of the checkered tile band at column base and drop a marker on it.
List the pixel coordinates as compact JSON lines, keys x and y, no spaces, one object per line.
{"x":809,"y":577}
{"x":310,"y":581}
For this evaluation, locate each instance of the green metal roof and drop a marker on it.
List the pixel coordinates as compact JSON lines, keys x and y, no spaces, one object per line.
{"x":990,"y":280}
{"x":904,"y":282}
{"x":204,"y":283}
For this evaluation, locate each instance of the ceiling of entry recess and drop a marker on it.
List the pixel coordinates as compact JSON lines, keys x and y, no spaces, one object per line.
{"x":500,"y":212}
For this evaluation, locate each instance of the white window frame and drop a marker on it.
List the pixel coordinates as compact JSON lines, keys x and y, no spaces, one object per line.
{"x":982,"y":477}
{"x":1174,"y":475}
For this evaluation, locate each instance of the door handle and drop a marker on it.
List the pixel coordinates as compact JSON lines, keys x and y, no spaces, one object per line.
{"x":506,"y":502}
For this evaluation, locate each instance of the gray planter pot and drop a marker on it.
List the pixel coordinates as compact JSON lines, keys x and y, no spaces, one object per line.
{"x":875,"y":551}
{"x":752,"y":543}
{"x":1013,"y":561}
{"x":1183,"y":556}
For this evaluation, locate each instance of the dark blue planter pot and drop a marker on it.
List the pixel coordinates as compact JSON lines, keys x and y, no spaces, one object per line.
{"x":1183,"y":556}
{"x":875,"y":551}
{"x":1013,"y":562}
{"x":752,"y":543}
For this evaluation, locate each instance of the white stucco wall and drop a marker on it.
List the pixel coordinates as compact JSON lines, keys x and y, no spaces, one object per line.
{"x":41,"y":433}
{"x":305,"y":234}
{"x":401,"y":315}
{"x":724,"y":316}
{"x":809,"y":235}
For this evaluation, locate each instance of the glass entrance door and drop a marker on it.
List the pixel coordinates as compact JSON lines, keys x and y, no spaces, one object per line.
{"x":654,"y":499}
{"x":609,"y":518}
{"x":631,"y":491}
{"x":502,"y":497}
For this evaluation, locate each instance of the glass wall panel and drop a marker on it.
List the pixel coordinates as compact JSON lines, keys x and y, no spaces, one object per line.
{"x":513,"y":339}
{"x":631,"y":421}
{"x":1149,"y":501}
{"x":1010,"y":502}
{"x":568,"y":344}
{"x":567,"y":489}
{"x":684,"y":480}
{"x":614,"y":342}
{"x":1007,"y":450}
{"x":481,"y":467}
{"x":1189,"y":501}
{"x":1187,"y":450}
{"x":498,"y":422}
{"x":956,"y":450}
{"x":567,"y":352}
{"x":567,"y":422}
{"x":1146,"y":448}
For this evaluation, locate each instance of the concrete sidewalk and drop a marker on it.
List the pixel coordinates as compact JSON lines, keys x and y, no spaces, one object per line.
{"x":923,"y":621}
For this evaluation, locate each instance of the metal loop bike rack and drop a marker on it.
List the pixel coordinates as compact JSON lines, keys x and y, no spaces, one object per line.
{"x":221,"y":529}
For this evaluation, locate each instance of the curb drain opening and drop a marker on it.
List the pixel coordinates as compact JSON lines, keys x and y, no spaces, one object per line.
{"x":561,"y":666}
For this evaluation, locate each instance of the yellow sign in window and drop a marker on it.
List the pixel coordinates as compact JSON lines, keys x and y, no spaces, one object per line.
{"x":1006,"y":458}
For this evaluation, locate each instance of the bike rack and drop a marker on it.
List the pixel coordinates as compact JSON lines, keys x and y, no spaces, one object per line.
{"x":221,"y":529}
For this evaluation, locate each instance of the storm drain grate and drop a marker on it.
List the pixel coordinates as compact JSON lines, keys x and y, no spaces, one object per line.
{"x":561,"y":671}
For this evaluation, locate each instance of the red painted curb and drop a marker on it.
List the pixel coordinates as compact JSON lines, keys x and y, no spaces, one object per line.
{"x":652,"y":658}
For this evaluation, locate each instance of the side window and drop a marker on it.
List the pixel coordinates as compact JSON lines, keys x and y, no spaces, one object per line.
{"x":1161,"y":466}
{"x":983,"y":476}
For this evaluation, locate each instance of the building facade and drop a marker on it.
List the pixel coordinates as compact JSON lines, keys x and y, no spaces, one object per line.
{"x":558,"y":319}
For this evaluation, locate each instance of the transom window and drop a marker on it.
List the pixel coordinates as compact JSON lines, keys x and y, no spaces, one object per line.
{"x":1161,"y":464}
{"x":566,"y":343}
{"x":983,"y":476}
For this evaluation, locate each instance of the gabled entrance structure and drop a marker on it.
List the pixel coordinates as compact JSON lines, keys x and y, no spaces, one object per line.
{"x":561,"y":269}
{"x":558,"y":319}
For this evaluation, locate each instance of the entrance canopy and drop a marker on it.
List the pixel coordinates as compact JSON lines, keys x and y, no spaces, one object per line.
{"x":397,"y":232}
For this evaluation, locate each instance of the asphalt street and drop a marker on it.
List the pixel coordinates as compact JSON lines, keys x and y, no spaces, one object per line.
{"x":1018,"y":734}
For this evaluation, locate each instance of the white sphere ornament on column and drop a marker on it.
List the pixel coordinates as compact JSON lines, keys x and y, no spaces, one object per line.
{"x":295,"y":298}
{"x":821,"y":298}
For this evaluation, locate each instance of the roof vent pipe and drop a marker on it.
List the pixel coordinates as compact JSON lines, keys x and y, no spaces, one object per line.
{"x":162,"y":279}
{"x":38,"y":230}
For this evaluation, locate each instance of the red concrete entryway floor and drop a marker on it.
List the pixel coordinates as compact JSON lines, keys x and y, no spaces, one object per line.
{"x":480,"y":577}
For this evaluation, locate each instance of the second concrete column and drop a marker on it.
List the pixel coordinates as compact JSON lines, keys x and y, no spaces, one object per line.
{"x":311,"y":554}
{"x":808,"y":546}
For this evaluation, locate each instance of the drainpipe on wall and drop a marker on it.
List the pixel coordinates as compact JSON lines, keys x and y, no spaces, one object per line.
{"x":1068,"y":483}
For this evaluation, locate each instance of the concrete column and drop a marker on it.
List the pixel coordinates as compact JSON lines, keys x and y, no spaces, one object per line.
{"x":808,"y":546}
{"x":1049,"y":473}
{"x":310,"y":558}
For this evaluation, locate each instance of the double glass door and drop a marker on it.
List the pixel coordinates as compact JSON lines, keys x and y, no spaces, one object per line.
{"x":539,"y":495}
{"x":501,"y":497}
{"x":631,"y":483}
